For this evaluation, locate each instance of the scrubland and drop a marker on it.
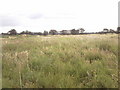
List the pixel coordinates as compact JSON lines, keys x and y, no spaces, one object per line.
{"x":60,"y":61}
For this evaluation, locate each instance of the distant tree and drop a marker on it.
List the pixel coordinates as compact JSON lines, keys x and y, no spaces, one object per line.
{"x":12,"y":32}
{"x":23,"y":32}
{"x":53,"y":32}
{"x":38,"y":33}
{"x":65,"y":32}
{"x":45,"y":33}
{"x":105,"y":30}
{"x":112,"y":31}
{"x":74,"y":32}
{"x":26,"y":32}
{"x":4,"y":33}
{"x":81,"y":30}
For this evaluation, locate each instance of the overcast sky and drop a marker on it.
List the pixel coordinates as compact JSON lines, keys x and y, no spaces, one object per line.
{"x":40,"y":15}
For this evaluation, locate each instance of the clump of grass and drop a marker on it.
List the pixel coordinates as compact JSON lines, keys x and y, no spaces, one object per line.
{"x":109,"y":46}
{"x":93,"y":55}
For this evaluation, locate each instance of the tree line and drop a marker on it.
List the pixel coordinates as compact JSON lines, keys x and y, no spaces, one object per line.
{"x":63,"y":32}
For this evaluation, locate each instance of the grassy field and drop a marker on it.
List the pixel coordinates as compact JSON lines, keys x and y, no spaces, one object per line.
{"x":73,"y":61}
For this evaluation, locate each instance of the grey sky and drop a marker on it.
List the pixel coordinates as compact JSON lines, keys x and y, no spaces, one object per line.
{"x":36,"y":16}
{"x":40,"y":15}
{"x":9,"y":21}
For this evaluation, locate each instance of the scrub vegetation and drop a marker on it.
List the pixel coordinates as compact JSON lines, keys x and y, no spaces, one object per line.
{"x":60,"y":61}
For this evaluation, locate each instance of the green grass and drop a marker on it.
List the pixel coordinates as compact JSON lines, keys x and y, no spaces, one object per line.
{"x":73,"y":61}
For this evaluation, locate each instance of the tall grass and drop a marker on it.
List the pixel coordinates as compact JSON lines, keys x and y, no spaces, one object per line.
{"x":74,"y":61}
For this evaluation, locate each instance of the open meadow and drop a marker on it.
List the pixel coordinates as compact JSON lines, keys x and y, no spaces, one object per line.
{"x":60,"y":61}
